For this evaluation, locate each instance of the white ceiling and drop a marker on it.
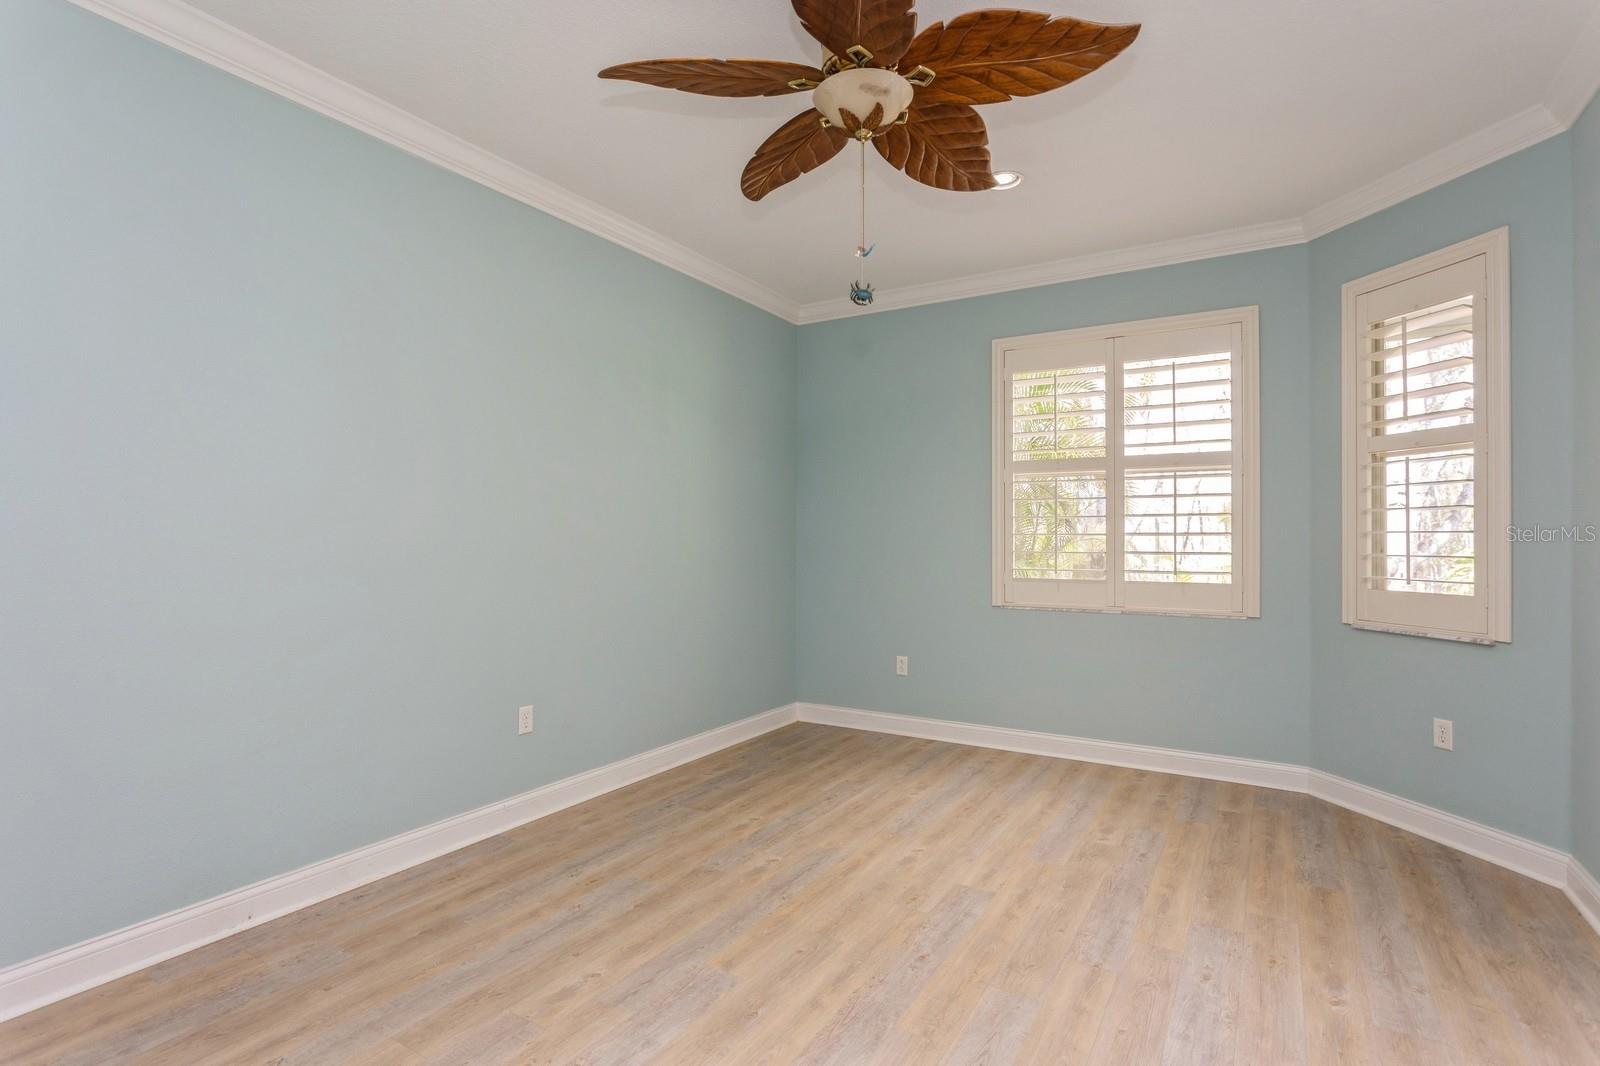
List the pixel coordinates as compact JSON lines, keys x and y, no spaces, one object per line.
{"x":1224,"y":114}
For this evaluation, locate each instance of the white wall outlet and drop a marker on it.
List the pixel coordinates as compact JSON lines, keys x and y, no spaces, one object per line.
{"x":524,"y":720}
{"x":902,"y":665}
{"x":1444,"y":734}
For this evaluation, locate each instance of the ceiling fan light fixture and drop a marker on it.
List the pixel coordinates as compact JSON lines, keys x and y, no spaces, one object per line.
{"x":860,"y":89}
{"x":1006,"y":179}
{"x":924,"y":122}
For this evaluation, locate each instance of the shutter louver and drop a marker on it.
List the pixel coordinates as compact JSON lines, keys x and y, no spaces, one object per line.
{"x":1058,"y":414}
{"x":1178,"y":526}
{"x":1178,"y":405}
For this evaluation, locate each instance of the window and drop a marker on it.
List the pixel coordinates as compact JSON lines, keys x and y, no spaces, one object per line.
{"x":1426,"y":445}
{"x":1153,"y":510}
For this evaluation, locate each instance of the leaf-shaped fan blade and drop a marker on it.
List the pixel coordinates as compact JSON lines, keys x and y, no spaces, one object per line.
{"x":984,"y":57}
{"x":882,"y":27}
{"x":719,"y":77}
{"x":800,"y":145}
{"x":943,"y":145}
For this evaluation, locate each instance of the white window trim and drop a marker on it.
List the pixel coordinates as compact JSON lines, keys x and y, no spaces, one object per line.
{"x":1246,"y":460}
{"x":1493,"y":410}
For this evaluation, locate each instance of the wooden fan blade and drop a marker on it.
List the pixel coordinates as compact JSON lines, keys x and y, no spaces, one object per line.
{"x":943,"y":145}
{"x":984,"y":57}
{"x":802,"y":144}
{"x":719,"y":77}
{"x":882,"y":27}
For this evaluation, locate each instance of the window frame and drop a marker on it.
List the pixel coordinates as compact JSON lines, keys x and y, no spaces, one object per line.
{"x":1492,"y":488}
{"x":1243,"y":460}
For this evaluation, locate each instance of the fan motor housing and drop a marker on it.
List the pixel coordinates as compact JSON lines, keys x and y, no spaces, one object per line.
{"x":858,"y":90}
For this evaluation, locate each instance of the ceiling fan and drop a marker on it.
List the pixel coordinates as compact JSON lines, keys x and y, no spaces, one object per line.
{"x":910,"y":94}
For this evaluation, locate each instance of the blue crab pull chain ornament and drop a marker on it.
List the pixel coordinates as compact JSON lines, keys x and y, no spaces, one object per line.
{"x":861,"y":291}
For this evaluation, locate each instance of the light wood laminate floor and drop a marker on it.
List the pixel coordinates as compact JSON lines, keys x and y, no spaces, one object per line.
{"x":821,"y":895}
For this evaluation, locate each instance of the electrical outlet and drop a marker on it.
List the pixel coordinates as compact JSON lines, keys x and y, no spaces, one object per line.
{"x":524,"y":720}
{"x":1444,"y":734}
{"x":902,"y":665}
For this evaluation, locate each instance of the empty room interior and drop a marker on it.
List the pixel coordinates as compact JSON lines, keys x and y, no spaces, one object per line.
{"x":799,"y":531}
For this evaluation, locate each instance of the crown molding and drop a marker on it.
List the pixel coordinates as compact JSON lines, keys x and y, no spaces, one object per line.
{"x":212,"y":41}
{"x":1077,"y":268}
{"x":1504,"y":138}
{"x":1488,"y":145}
{"x":1578,"y":79}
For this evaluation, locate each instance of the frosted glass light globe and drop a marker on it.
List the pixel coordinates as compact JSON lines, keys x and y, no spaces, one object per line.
{"x":858,"y":90}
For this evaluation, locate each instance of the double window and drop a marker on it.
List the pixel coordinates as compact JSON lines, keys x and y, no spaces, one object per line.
{"x":1125,"y":467}
{"x":1126,"y":457}
{"x":1426,"y":445}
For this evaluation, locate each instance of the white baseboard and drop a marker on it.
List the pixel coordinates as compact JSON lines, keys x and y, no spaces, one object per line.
{"x":1530,"y":858}
{"x":1584,"y":891}
{"x":36,"y":982}
{"x":1527,"y":857}
{"x":33,"y":983}
{"x":1135,"y":756}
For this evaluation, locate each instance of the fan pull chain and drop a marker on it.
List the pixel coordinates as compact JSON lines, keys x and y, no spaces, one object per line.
{"x":861,"y":248}
{"x":861,"y":290}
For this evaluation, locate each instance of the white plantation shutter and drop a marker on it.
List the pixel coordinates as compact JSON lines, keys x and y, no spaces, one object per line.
{"x":1150,"y":511}
{"x":1426,"y":471}
{"x":1055,"y":451}
{"x":1178,"y":458}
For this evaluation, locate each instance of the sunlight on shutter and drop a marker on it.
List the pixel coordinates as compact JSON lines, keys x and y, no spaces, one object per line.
{"x":1058,"y":527}
{"x":1418,"y":521}
{"x":1178,"y":405}
{"x":1058,"y":414}
{"x":1178,"y":526}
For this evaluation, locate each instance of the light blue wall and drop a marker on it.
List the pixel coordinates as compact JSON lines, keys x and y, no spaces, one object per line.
{"x":894,"y":531}
{"x":1374,"y":695}
{"x":1586,"y":556}
{"x":315,"y":462}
